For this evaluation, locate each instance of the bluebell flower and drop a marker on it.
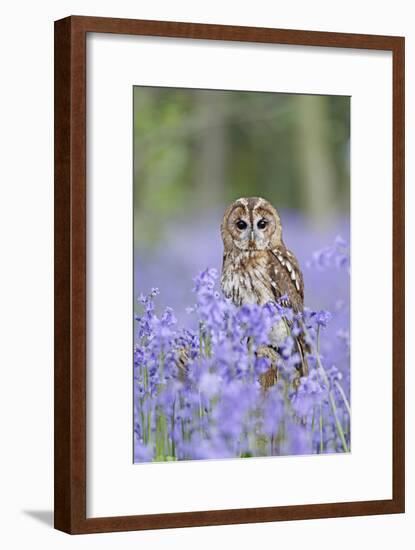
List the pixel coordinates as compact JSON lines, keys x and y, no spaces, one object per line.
{"x":214,"y":405}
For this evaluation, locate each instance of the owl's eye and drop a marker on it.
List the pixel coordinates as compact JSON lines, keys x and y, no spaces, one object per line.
{"x":240,"y":224}
{"x":262,"y":224}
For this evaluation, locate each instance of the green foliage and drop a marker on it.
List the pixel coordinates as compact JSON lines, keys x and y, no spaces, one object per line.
{"x":198,"y":149}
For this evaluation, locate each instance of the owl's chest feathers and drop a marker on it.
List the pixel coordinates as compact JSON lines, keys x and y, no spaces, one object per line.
{"x":245,"y":277}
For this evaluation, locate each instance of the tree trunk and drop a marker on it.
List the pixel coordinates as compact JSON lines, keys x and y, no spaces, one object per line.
{"x":315,"y":157}
{"x":210,"y":167}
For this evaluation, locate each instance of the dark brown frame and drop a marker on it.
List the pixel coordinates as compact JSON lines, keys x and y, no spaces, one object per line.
{"x":70,"y":274}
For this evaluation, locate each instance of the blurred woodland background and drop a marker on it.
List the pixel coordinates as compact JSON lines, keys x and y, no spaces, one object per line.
{"x":196,"y":151}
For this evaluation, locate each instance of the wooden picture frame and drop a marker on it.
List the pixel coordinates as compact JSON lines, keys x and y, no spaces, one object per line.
{"x":70,"y":274}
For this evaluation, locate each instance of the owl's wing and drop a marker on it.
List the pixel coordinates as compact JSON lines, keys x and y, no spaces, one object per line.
{"x":286,"y":277}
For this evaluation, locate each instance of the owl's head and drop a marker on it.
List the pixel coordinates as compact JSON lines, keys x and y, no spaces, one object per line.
{"x":251,"y":224}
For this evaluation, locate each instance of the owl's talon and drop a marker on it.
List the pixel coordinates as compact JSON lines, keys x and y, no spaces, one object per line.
{"x":270,"y":377}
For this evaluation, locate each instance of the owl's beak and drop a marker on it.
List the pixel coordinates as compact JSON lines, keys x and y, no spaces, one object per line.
{"x":252,"y":235}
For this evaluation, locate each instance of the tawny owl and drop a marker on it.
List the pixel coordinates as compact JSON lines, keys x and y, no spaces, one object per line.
{"x":257,"y":266}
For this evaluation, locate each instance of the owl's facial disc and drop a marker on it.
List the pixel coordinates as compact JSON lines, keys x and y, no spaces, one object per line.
{"x":251,"y":224}
{"x":241,"y":231}
{"x":260,"y":230}
{"x":251,"y":233}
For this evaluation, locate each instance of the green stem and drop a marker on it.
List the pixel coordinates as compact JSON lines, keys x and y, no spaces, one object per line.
{"x":201,"y":339}
{"x":173,"y":445}
{"x":326,"y":380}
{"x":337,"y":422}
{"x":200,"y":405}
{"x":321,"y":431}
{"x":341,"y":391}
{"x":143,"y":421}
{"x":148,"y":426}
{"x":330,"y":392}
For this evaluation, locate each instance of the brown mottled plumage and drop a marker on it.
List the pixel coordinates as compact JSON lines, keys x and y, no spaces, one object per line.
{"x":257,"y":266}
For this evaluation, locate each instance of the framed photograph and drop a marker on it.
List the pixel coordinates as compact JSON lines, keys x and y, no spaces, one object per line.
{"x":229,"y":274}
